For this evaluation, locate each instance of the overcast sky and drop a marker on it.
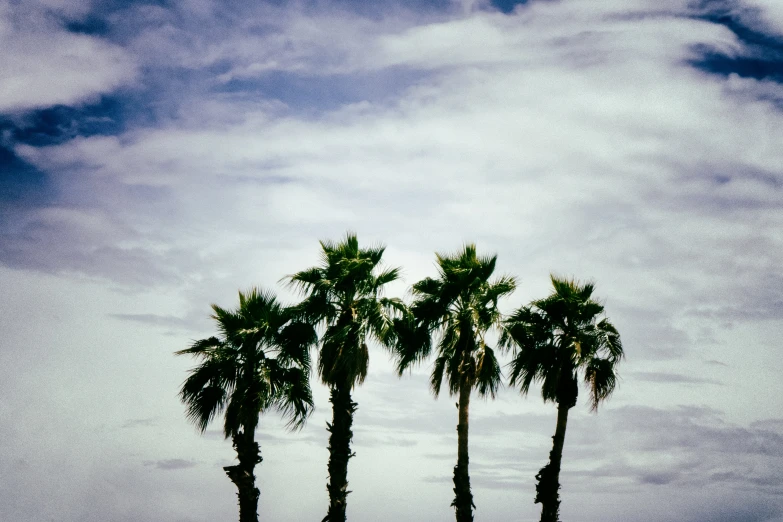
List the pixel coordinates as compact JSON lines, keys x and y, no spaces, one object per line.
{"x":156,"y":157}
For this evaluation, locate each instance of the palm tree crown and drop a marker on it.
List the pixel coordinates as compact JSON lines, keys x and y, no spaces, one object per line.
{"x":459,"y":308}
{"x":260,"y":362}
{"x":344,"y":295}
{"x":559,"y":336}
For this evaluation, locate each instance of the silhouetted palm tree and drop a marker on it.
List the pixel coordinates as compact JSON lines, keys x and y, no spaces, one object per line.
{"x":555,"y":339}
{"x":343,"y":294}
{"x":458,"y":308}
{"x":260,"y":362}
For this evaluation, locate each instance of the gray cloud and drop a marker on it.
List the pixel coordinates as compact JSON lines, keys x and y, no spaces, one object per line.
{"x":154,"y":319}
{"x":171,"y":464}
{"x":671,"y":378}
{"x":88,"y":253}
{"x":142,"y":423}
{"x":691,"y":428}
{"x":723,"y":512}
{"x":657,"y":478}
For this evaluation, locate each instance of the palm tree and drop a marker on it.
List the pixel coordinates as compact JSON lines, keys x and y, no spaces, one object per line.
{"x":260,"y":362}
{"x":459,"y":308}
{"x":343,"y":295}
{"x":555,"y":339}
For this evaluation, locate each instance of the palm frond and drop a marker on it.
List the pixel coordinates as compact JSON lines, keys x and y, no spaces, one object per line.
{"x":426,"y":287}
{"x":205,"y":405}
{"x":412,"y":342}
{"x":295,"y":398}
{"x":386,"y":277}
{"x":235,"y":416}
{"x":610,"y":339}
{"x":438,"y":371}
{"x":601,"y":379}
{"x":459,"y":368}
{"x":308,"y":280}
{"x":488,"y":372}
{"x":294,"y":342}
{"x":201,"y":348}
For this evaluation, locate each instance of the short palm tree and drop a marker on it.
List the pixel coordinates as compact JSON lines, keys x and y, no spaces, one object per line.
{"x":459,"y":308}
{"x":259,"y":362}
{"x":554,"y":340}
{"x":344,"y":296}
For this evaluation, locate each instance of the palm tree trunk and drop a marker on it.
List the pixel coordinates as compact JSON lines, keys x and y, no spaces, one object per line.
{"x":343,"y":409}
{"x":248,"y":454}
{"x":547,"y":489}
{"x":463,"y":498}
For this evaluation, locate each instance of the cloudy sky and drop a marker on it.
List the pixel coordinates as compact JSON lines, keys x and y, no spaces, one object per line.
{"x":157,"y":156}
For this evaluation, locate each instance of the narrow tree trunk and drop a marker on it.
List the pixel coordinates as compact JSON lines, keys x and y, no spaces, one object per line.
{"x":549,"y":476}
{"x":463,"y":498}
{"x":248,"y":454}
{"x":343,"y":409}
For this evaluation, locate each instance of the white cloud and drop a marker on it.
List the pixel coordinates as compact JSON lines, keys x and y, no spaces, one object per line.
{"x":43,"y":64}
{"x":768,"y":14}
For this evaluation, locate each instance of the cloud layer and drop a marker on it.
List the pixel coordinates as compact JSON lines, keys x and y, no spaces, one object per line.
{"x":156,"y":158}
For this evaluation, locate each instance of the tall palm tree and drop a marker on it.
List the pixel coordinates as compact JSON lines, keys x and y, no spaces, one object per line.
{"x":555,"y":339}
{"x":259,"y":362}
{"x":343,"y":295}
{"x":459,"y":308}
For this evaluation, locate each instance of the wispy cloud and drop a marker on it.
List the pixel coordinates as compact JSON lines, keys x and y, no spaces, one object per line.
{"x":142,"y":423}
{"x":44,"y":64}
{"x":673,"y":378}
{"x":171,"y":464}
{"x":161,"y":320}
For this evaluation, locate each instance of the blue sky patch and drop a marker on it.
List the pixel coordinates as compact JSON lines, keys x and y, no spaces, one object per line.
{"x":763,"y":52}
{"x":60,"y":123}
{"x":507,"y":6}
{"x":92,"y":25}
{"x":21,"y":182}
{"x":746,"y":67}
{"x":25,"y":184}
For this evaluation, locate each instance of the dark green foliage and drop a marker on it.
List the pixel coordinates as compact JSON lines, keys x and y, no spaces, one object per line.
{"x":344,"y":296}
{"x":260,"y":362}
{"x":554,"y":339}
{"x":458,"y":309}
